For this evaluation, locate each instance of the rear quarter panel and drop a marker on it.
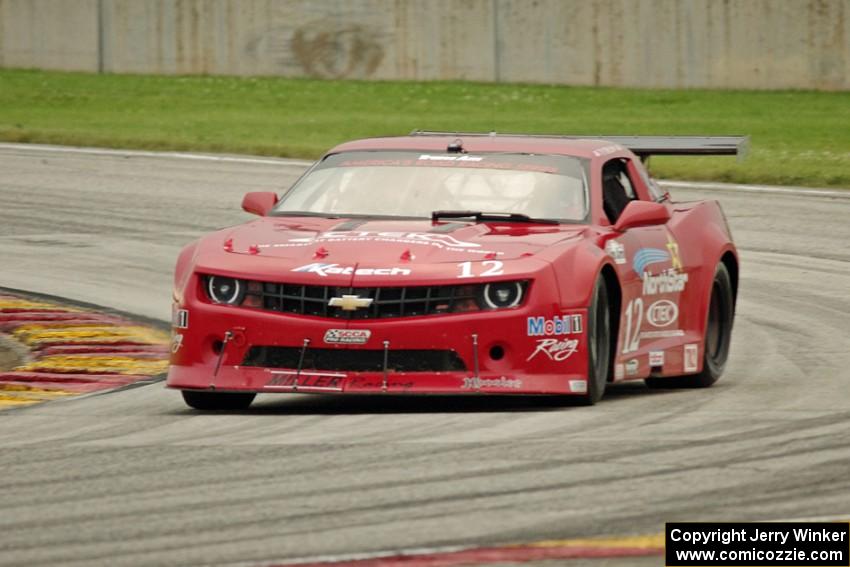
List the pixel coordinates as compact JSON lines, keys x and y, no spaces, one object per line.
{"x":703,"y":236}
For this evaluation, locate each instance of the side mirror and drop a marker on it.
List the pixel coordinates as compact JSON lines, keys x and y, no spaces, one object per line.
{"x":642,"y":213}
{"x":259,"y":202}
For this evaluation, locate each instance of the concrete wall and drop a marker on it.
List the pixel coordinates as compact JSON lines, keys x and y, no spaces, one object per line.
{"x":647,"y":43}
{"x":49,"y":34}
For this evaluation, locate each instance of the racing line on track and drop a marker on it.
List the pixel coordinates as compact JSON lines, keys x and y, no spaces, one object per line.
{"x":72,"y":350}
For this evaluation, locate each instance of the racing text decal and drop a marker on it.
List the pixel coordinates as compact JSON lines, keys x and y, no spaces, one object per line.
{"x":555,"y":349}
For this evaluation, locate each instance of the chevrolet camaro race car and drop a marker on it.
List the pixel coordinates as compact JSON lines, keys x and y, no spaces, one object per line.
{"x":441,"y":263}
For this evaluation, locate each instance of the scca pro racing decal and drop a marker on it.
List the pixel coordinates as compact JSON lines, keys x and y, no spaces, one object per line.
{"x":347,"y":336}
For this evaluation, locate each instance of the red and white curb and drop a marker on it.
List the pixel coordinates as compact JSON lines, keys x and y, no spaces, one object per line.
{"x":69,"y":350}
{"x":549,"y":550}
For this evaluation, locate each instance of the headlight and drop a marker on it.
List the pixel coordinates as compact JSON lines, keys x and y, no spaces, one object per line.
{"x":225,"y":290}
{"x":501,"y":295}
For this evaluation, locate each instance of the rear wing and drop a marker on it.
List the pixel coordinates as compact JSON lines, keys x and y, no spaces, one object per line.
{"x":642,"y":146}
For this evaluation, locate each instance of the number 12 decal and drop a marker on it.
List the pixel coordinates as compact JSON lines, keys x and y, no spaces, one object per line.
{"x":634,"y":317}
{"x":495,"y":269}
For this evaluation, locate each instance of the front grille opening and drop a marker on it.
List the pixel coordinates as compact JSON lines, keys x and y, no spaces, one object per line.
{"x":387,"y":302}
{"x":355,"y":360}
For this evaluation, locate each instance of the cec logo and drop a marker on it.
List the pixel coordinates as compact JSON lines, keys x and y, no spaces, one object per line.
{"x":662,"y":313}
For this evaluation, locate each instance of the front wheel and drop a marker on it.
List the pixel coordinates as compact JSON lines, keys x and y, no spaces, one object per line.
{"x":211,"y":401}
{"x":718,"y":335}
{"x":599,"y":343}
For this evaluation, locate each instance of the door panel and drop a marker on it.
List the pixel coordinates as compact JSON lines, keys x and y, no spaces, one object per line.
{"x":653,"y":319}
{"x":654,"y":277}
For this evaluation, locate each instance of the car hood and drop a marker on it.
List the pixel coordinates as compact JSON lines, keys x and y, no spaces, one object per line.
{"x":389,"y":242}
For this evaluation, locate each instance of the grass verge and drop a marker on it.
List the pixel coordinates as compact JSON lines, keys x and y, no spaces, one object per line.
{"x":798,"y":137}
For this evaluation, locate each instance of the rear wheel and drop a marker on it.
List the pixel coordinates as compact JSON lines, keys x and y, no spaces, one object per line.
{"x":718,"y":335}
{"x":599,"y":343}
{"x":211,"y":401}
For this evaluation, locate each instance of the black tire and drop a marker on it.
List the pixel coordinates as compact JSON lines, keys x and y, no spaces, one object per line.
{"x":212,"y":401}
{"x":599,"y":343}
{"x":718,"y":335}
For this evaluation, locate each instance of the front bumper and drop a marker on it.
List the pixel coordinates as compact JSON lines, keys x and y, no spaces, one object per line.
{"x":531,"y":349}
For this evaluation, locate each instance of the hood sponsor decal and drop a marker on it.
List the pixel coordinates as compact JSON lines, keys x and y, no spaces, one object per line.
{"x":406,"y":237}
{"x":347,"y":336}
{"x":437,"y":240}
{"x":324,"y":269}
{"x":662,"y":313}
{"x":556,"y":349}
{"x":472,"y":383}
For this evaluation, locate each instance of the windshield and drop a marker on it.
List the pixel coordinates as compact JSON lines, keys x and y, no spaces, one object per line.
{"x":414,"y":184}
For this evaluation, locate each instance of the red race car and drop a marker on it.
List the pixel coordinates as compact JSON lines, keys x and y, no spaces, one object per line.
{"x":442,"y":263}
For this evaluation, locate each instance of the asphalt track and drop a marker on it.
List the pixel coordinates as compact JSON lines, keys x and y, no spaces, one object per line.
{"x":134,"y":477}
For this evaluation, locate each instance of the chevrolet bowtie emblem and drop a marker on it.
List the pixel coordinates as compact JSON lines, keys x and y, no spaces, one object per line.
{"x":350,"y":302}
